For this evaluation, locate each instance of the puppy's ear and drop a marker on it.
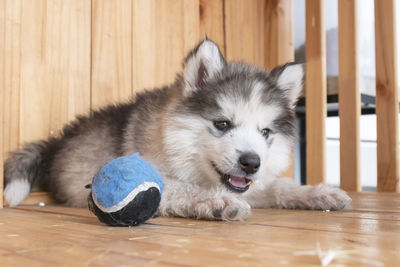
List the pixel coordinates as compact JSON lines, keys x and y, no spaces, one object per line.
{"x":203,"y":63}
{"x":289,"y":78}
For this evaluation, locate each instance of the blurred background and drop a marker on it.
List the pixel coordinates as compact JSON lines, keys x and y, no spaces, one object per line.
{"x":366,"y":42}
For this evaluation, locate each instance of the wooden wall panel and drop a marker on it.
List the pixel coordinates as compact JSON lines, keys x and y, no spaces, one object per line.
{"x":349,"y":96}
{"x":191,"y":26}
{"x":315,"y":92}
{"x":245,"y":30}
{"x":279,"y":36}
{"x":259,"y":31}
{"x":163,"y":32}
{"x":387,"y":101}
{"x":10,"y":80}
{"x":212,"y":21}
{"x":2,"y":84}
{"x":35,"y":95}
{"x":55,"y":65}
{"x":111,"y":51}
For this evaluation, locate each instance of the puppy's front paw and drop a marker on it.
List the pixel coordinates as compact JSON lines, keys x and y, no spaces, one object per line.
{"x":328,"y":198}
{"x":226,"y":208}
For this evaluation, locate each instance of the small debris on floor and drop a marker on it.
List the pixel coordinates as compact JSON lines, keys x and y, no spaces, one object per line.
{"x":327,"y":257}
{"x":12,"y":235}
{"x":137,"y":238}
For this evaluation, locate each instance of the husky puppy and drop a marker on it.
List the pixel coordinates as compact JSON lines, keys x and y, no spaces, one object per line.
{"x":219,"y":136}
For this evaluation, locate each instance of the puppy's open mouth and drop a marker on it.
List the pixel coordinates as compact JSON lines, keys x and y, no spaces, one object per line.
{"x":234,"y":183}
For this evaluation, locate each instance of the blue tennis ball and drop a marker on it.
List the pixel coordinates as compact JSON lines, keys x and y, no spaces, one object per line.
{"x":126,"y":191}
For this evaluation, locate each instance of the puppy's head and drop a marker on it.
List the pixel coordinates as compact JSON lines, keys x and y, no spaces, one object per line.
{"x":235,"y":122}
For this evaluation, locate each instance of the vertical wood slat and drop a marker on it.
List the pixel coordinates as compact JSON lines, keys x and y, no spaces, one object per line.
{"x":10,"y":71}
{"x":278,"y":43}
{"x":10,"y":53}
{"x":111,"y":51}
{"x":315,"y":92}
{"x":259,"y":31}
{"x":349,"y":96}
{"x":55,"y":65}
{"x":245,"y":30}
{"x":2,"y":85}
{"x":33,"y":90}
{"x":163,"y":32}
{"x":387,"y":103}
{"x":191,"y":26}
{"x":212,"y":21}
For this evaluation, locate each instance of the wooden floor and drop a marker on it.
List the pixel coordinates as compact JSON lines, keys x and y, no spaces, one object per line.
{"x":367,"y":234}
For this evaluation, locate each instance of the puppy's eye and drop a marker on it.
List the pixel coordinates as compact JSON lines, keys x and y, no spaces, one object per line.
{"x":265,"y":132}
{"x":222,"y":125}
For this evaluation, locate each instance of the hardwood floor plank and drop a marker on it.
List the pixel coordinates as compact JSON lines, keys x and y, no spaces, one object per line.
{"x":62,"y":210}
{"x":54,"y":235}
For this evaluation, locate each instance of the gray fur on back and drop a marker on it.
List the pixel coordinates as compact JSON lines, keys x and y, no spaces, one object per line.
{"x":67,"y":164}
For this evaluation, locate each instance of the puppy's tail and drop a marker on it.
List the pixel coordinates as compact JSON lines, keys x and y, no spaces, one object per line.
{"x":22,"y":170}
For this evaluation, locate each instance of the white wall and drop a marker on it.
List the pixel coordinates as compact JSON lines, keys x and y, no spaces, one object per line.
{"x":368,"y":150}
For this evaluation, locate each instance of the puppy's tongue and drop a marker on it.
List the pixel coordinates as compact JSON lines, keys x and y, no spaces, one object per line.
{"x":238,"y":181}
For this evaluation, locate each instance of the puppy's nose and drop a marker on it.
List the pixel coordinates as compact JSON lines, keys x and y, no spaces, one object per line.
{"x":249,"y":162}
